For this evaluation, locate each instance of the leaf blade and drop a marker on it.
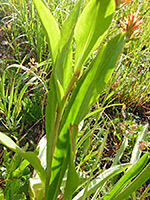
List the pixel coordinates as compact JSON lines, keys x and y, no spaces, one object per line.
{"x":30,"y":156}
{"x":135,"y":184}
{"x":130,"y":174}
{"x":80,"y":102}
{"x":51,"y":27}
{"x":91,"y":28}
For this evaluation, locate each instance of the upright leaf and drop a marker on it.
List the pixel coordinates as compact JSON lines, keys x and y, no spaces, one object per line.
{"x":51,"y":27}
{"x":86,"y":92}
{"x":91,"y":28}
{"x":72,"y":178}
{"x":11,"y":99}
{"x":136,"y":153}
{"x":120,"y":151}
{"x":63,"y":67}
{"x":94,"y":80}
{"x":50,"y":126}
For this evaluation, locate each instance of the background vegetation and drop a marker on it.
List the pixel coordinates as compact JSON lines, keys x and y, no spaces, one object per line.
{"x":122,"y":109}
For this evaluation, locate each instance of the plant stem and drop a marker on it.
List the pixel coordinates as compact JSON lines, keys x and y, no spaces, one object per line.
{"x":56,"y":128}
{"x":70,"y":85}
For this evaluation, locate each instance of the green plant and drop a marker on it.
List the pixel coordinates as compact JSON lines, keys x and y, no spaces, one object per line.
{"x":23,"y":31}
{"x":10,"y":100}
{"x":71,"y":94}
{"x":14,"y":176}
{"x":130,"y":83}
{"x":13,"y":96}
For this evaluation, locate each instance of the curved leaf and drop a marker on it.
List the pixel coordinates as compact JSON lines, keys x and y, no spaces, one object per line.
{"x":101,"y":179}
{"x":30,"y":156}
{"x":128,"y":176}
{"x":134,"y":185}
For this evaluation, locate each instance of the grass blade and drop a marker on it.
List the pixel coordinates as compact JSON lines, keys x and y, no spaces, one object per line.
{"x":128,"y":176}
{"x":120,"y":151}
{"x":101,"y":179}
{"x":136,"y":153}
{"x":134,"y":185}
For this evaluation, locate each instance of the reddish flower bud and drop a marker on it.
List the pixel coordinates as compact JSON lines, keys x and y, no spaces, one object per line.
{"x":131,"y":24}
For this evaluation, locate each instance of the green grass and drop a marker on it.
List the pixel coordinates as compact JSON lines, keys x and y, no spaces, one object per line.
{"x":129,"y":88}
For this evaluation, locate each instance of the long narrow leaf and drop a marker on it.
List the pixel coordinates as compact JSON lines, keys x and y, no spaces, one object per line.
{"x":51,"y":27}
{"x":128,"y":176}
{"x":101,"y":179}
{"x":30,"y":156}
{"x":50,"y":127}
{"x":136,"y":153}
{"x":91,"y":28}
{"x":134,"y":185}
{"x":10,"y":99}
{"x":63,"y":67}
{"x":72,"y":178}
{"x":120,"y":151}
{"x":86,"y":92}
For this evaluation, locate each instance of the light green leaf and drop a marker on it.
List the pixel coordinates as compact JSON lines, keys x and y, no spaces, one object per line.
{"x":128,"y":176}
{"x":94,"y":80}
{"x":136,"y":153}
{"x":2,"y":93}
{"x":101,"y":179}
{"x":120,"y":151}
{"x":1,"y":106}
{"x":2,"y":84}
{"x":91,"y":28}
{"x":86,"y":92}
{"x":135,"y":184}
{"x":51,"y":27}
{"x":72,"y":178}
{"x":30,"y":156}
{"x":50,"y":127}
{"x":10,"y":99}
{"x":100,"y":109}
{"x":63,"y":67}
{"x":54,"y":186}
{"x":21,"y":167}
{"x":69,"y":25}
{"x":1,"y":196}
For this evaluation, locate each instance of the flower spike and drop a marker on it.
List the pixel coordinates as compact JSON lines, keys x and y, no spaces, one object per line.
{"x":131,"y":24}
